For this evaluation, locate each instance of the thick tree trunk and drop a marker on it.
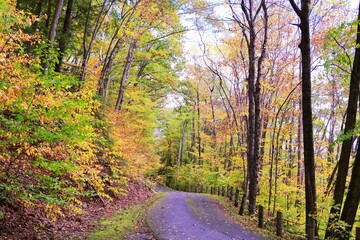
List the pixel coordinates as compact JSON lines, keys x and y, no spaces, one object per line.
{"x":247,"y":22}
{"x":346,"y":148}
{"x":351,"y":203}
{"x":253,"y":180}
{"x":309,"y":160}
{"x":251,"y":126}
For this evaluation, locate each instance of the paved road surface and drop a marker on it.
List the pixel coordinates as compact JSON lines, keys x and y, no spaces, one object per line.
{"x":181,"y":216}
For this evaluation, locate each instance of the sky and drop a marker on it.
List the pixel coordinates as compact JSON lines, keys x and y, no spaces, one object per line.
{"x":354,"y":3}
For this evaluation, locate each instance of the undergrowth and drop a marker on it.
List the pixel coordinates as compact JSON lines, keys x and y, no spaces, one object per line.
{"x":249,"y":222}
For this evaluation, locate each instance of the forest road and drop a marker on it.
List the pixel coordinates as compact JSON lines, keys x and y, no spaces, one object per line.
{"x":180,"y":216}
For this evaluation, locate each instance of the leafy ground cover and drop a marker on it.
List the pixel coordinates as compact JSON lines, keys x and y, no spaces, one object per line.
{"x":31,"y":223}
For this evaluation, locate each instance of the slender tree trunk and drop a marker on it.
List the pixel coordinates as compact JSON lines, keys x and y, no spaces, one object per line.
{"x":213,"y":120}
{"x":38,"y":8}
{"x":193,"y":136}
{"x":169,"y":155}
{"x":37,"y":12}
{"x":330,"y":154}
{"x":48,"y":13}
{"x":113,"y":49}
{"x":54,"y":25}
{"x":300,"y":172}
{"x":346,"y":145}
{"x":105,"y":72}
{"x":125,"y":75}
{"x":263,"y":137}
{"x":88,"y":47}
{"x":55,"y":22}
{"x":198,"y":125}
{"x":181,"y":150}
{"x":65,"y":35}
{"x":277,"y":153}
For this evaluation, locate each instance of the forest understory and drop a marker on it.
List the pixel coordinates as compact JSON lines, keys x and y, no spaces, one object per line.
{"x":32,"y":223}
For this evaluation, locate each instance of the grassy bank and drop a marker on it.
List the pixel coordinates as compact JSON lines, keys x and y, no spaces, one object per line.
{"x":249,"y":222}
{"x":124,"y":222}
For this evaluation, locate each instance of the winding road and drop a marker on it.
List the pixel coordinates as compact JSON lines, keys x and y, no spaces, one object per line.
{"x":182,"y":215}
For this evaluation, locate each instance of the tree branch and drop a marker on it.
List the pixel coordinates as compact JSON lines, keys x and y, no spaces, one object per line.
{"x":296,"y":8}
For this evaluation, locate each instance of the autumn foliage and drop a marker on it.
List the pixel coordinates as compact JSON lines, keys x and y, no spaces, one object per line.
{"x":60,"y":142}
{"x":96,"y":94}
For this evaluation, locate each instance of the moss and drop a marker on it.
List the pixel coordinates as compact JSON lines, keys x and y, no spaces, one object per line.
{"x":123,"y":222}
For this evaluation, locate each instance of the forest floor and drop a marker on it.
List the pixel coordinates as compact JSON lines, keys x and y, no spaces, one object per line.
{"x":141,"y":215}
{"x":31,"y":223}
{"x":182,"y":215}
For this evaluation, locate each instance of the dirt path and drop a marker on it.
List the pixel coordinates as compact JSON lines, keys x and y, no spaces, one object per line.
{"x":193,"y":216}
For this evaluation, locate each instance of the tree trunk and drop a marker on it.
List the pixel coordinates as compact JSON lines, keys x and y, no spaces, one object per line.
{"x":352,"y":199}
{"x":213,"y":119}
{"x":53,"y":28}
{"x":247,"y":22}
{"x":309,"y":160}
{"x":181,"y":149}
{"x":330,"y":153}
{"x":48,"y":13}
{"x":125,"y":75}
{"x":193,"y":136}
{"x":198,"y":125}
{"x":346,"y":145}
{"x":113,"y":50}
{"x":55,"y":22}
{"x":64,"y":37}
{"x":88,"y":47}
{"x":300,"y":172}
{"x":169,"y":155}
{"x":105,"y":72}
{"x":37,"y":13}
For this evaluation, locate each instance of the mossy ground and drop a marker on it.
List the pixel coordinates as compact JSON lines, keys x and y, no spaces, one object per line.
{"x":124,"y":222}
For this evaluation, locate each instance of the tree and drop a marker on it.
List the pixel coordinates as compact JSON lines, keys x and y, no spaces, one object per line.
{"x":106,"y":6}
{"x":248,"y":24}
{"x":352,"y":198}
{"x":309,"y":159}
{"x":64,"y":35}
{"x":53,"y":28}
